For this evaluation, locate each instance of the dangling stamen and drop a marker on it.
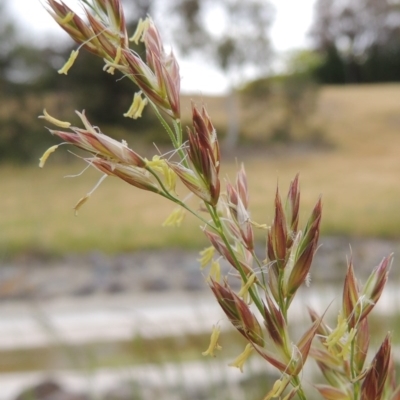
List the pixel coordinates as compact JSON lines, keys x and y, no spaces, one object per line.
{"x":85,"y":198}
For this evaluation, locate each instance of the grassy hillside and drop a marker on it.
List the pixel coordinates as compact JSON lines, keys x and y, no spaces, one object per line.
{"x":358,"y":178}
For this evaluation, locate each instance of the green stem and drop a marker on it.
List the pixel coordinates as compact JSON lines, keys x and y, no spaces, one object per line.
{"x":282,"y":303}
{"x":259,"y":264}
{"x":178,"y":131}
{"x":356,"y":385}
{"x":300,"y":392}
{"x":186,"y":207}
{"x":176,"y":138}
{"x":165,"y":125}
{"x":165,"y":193}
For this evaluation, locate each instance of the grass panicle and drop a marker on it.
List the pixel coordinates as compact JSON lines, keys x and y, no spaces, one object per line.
{"x":259,"y":310}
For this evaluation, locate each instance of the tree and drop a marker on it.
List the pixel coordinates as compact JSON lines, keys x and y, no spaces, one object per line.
{"x":359,"y":39}
{"x":242,"y":48}
{"x":291,"y":100}
{"x":232,"y":34}
{"x":20,"y":65}
{"x":9,"y":43}
{"x":29,"y":72}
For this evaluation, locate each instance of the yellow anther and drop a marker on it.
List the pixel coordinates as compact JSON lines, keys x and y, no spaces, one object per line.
{"x":215,"y":271}
{"x":278,"y":388}
{"x":213,"y":342}
{"x":54,"y":121}
{"x":80,"y":203}
{"x":69,"y":63}
{"x":175,"y":218}
{"x":257,"y":225}
{"x":46,"y":155}
{"x":244,"y":291}
{"x":136,"y":109}
{"x":170,"y":177}
{"x":141,"y":29}
{"x":160,"y":165}
{"x":111,"y":69}
{"x":118,"y":55}
{"x":155,"y":163}
{"x":242,"y":358}
{"x":66,"y":19}
{"x":85,"y":198}
{"x":206,"y":256}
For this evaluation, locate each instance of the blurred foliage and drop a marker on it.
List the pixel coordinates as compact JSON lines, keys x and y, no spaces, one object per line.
{"x":355,"y":41}
{"x":290,"y":100}
{"x":227,"y":48}
{"x":29,"y":81}
{"x":358,"y":40}
{"x":233,"y":51}
{"x":20,"y":65}
{"x":104,"y":97}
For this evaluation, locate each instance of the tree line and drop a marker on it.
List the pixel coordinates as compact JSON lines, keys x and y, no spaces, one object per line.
{"x":29,"y":79}
{"x":359,"y":41}
{"x":355,"y":41}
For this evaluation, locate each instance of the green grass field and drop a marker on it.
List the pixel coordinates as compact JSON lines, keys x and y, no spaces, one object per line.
{"x":359,"y":180}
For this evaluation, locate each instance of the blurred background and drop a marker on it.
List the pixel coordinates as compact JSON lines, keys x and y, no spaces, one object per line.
{"x":308,"y":87}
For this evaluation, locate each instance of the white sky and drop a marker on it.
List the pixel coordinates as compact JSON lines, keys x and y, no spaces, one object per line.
{"x":289,"y":31}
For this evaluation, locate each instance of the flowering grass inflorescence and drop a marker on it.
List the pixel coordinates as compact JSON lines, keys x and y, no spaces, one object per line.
{"x":259,"y":310}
